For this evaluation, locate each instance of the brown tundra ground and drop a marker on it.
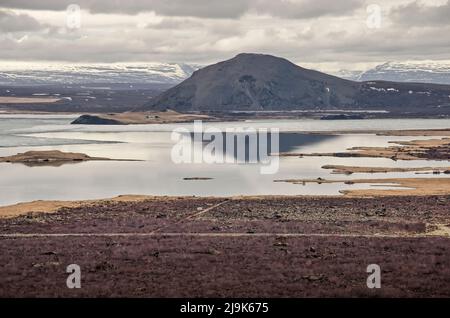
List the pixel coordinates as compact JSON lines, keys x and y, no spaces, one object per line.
{"x":231,"y":247}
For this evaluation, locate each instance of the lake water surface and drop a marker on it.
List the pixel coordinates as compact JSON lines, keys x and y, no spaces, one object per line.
{"x":157,"y":174}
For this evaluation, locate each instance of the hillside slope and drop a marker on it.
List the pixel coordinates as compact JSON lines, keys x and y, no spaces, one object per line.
{"x":263,"y":82}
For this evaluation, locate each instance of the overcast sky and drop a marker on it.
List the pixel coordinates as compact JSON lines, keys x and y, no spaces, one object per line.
{"x":322,"y":34}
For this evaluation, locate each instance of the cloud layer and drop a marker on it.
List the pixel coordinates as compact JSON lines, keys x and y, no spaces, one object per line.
{"x":322,"y":33}
{"x":197,"y":8}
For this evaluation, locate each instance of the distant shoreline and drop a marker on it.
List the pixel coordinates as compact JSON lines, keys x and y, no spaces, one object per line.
{"x":129,"y":117}
{"x":423,"y":187}
{"x":167,"y":117}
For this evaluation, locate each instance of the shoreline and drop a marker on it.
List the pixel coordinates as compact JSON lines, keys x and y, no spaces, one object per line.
{"x":348,"y":170}
{"x":412,"y":186}
{"x":169,"y":117}
{"x":137,"y":119}
{"x":430,"y":149}
{"x":422,"y":190}
{"x":129,"y":117}
{"x":54,"y":158}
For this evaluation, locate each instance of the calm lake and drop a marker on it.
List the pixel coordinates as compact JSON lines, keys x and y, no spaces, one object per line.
{"x":157,"y":174}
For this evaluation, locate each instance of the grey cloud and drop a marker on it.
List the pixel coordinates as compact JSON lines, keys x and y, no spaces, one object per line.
{"x":419,"y":14}
{"x":197,"y":8}
{"x":300,"y":9}
{"x":35,"y":5}
{"x":13,"y":22}
{"x":430,"y":43}
{"x":305,"y":9}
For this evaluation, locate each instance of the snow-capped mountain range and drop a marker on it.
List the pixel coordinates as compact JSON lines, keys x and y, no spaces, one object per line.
{"x":142,"y":73}
{"x":173,"y":73}
{"x":437,"y":72}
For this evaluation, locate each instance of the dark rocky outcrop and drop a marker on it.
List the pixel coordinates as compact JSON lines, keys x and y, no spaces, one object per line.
{"x":341,"y":117}
{"x":95,"y":120}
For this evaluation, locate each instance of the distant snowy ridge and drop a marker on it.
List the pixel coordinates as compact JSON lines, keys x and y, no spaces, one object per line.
{"x":437,"y":72}
{"x":173,"y":73}
{"x":35,"y":74}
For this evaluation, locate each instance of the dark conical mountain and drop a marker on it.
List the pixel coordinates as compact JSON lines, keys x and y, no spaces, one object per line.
{"x":265,"y":82}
